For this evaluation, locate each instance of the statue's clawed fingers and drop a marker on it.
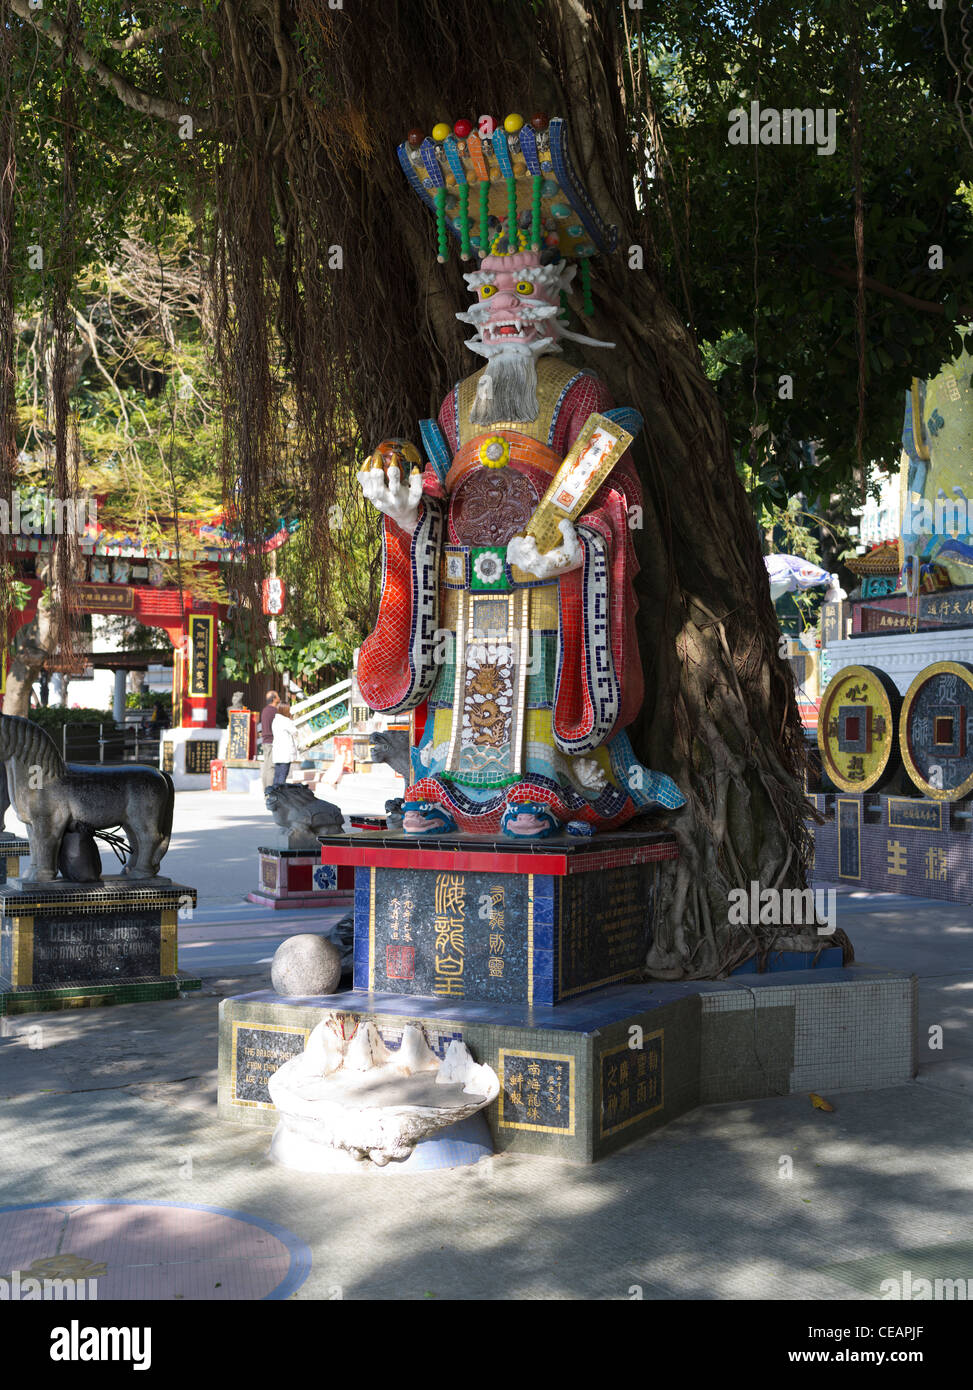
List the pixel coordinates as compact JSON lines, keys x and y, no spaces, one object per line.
{"x":390,"y":497}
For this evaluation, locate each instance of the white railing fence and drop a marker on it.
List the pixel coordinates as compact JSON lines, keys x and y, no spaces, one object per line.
{"x":314,"y":718}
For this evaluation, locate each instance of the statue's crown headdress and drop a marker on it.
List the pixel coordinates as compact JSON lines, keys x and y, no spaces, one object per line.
{"x":528,"y":193}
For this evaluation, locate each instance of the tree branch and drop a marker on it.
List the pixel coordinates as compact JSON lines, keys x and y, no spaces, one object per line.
{"x":51,"y":26}
{"x":138,"y":38}
{"x":925,"y":306}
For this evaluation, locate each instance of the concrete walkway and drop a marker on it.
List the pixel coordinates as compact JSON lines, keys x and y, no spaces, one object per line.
{"x":118,"y":1105}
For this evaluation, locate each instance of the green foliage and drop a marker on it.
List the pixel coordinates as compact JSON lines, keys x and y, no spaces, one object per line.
{"x":779,"y":297}
{"x":19,"y":593}
{"x":53,"y":717}
{"x":312,"y":661}
{"x":148,"y":699}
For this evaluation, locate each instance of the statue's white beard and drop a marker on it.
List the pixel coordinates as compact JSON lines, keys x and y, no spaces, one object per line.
{"x":508,"y":387}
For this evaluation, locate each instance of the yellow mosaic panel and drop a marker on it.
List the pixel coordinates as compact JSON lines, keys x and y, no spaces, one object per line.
{"x":538,"y":727}
{"x":169,"y":949}
{"x":22,"y":964}
{"x":544,"y":608}
{"x":442,"y":726}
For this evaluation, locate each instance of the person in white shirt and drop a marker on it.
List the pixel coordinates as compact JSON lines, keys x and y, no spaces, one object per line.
{"x":285,"y":749}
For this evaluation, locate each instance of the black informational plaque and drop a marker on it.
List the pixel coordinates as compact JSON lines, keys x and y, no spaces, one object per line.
{"x":259,"y":1051}
{"x":909,"y":813}
{"x":606,"y":922}
{"x":537,"y":1091}
{"x":200,"y":752}
{"x":631,"y":1083}
{"x":238,"y":742}
{"x":82,"y":948}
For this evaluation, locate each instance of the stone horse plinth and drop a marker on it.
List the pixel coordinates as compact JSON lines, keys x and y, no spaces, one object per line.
{"x":53,"y":797}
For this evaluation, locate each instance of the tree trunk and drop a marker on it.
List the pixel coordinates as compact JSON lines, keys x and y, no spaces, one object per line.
{"x":720,"y":713}
{"x":33,"y":647}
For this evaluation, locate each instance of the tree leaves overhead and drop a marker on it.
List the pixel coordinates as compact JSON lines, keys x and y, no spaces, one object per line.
{"x":782,"y":218}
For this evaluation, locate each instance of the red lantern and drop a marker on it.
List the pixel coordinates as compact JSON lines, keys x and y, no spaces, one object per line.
{"x":274,"y":595}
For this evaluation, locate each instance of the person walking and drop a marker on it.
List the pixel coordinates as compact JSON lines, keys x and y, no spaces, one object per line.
{"x":267,"y":737}
{"x":284,"y":749}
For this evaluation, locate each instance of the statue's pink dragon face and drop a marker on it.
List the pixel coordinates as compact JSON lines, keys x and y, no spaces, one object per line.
{"x":517,"y":300}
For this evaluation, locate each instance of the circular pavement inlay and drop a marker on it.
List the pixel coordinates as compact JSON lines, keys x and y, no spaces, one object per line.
{"x":152,"y":1250}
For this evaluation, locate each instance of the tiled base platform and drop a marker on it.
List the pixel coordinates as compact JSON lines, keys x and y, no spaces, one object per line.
{"x":27,"y":1000}
{"x":297,"y":878}
{"x":895,"y":844}
{"x":12,"y":850}
{"x":67,"y":945}
{"x":586,"y":1077}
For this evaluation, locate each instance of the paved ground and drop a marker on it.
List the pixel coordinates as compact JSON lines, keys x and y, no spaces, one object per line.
{"x":118,"y":1105}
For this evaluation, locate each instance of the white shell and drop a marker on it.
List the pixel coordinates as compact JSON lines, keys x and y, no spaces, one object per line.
{"x":340,"y":1102}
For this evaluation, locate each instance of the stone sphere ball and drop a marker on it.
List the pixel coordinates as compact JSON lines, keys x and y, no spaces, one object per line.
{"x":306,"y":964}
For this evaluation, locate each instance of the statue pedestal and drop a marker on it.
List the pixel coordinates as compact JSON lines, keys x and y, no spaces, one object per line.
{"x":584,"y":1078}
{"x":532,"y":955}
{"x":301,"y":878}
{"x":531,"y":922}
{"x":74,"y":945}
{"x":12,"y":850}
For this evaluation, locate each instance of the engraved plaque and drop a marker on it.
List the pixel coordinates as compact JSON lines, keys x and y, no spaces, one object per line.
{"x":79,"y":949}
{"x":258,"y":1051}
{"x":200,"y":752}
{"x":536,"y":1091}
{"x":631,"y":1083}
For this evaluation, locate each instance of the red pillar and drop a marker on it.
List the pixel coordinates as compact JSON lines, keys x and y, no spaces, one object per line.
{"x":199,"y":635}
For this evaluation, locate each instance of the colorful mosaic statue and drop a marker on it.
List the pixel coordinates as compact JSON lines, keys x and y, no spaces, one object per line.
{"x":508,"y":607}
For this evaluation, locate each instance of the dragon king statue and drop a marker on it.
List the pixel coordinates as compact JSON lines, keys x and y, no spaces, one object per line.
{"x":507,"y":616}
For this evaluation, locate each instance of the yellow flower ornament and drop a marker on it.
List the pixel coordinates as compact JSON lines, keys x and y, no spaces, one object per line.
{"x":495,"y":452}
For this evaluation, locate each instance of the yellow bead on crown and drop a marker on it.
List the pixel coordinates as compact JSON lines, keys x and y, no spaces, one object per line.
{"x":500,"y":246}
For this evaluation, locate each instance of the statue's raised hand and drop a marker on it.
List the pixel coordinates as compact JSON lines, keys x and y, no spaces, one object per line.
{"x":392,"y":496}
{"x":522,"y":551}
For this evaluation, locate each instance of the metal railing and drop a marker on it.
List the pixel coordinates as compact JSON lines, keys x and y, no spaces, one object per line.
{"x":108,"y":743}
{"x":314,"y":718}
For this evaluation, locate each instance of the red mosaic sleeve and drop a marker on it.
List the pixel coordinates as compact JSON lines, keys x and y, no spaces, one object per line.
{"x":396,"y":668}
{"x":614,"y":509}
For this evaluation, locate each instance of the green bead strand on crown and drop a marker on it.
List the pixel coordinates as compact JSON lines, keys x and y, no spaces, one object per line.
{"x":441,"y":234}
{"x":535,"y":212}
{"x":511,"y":211}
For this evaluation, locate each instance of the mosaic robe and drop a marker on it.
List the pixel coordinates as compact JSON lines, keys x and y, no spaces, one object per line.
{"x":455,"y":619}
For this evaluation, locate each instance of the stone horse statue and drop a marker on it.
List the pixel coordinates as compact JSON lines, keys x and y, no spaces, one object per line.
{"x":53,"y":797}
